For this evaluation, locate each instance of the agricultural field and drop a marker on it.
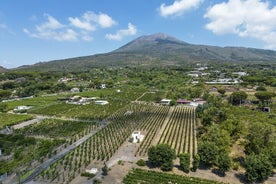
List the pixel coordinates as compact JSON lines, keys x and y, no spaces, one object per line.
{"x":91,"y":111}
{"x":12,"y":119}
{"x":180,"y":131}
{"x":35,"y":102}
{"x":55,"y":128}
{"x":22,"y":151}
{"x":147,"y":176}
{"x":101,"y":146}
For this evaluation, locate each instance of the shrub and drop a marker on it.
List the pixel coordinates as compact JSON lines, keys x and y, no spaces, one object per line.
{"x":141,"y":162}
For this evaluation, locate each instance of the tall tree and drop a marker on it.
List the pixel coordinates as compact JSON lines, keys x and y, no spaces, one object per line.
{"x":162,"y":156}
{"x":237,"y":98}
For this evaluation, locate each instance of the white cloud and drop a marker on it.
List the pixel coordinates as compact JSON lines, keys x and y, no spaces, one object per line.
{"x":178,"y":7}
{"x":78,"y":28}
{"x":82,"y":24}
{"x":245,"y":18}
{"x":131,"y":30}
{"x":52,"y":29}
{"x":89,"y":18}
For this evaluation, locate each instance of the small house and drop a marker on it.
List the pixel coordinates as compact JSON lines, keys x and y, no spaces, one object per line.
{"x":0,"y":151}
{"x":101,"y":102}
{"x":183,"y":101}
{"x":75,"y":90}
{"x":165,"y":101}
{"x":21,"y":108}
{"x":137,"y":136}
{"x":92,"y":170}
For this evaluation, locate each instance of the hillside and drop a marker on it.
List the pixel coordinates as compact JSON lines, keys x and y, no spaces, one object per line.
{"x":2,"y":69}
{"x":160,"y":50}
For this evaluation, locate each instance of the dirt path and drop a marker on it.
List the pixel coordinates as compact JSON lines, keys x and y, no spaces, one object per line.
{"x":158,"y":135}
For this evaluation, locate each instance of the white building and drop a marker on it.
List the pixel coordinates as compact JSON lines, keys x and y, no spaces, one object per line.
{"x":101,"y":102}
{"x":75,"y":90}
{"x":165,"y":101}
{"x":21,"y":108}
{"x":0,"y":151}
{"x":137,"y":136}
{"x":92,"y":171}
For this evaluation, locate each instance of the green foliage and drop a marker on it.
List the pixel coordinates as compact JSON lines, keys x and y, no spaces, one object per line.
{"x":196,"y":161}
{"x":89,"y":175}
{"x":162,"y":156}
{"x":3,"y":107}
{"x":258,"y":167}
{"x":141,"y":162}
{"x":223,"y":162}
{"x":208,"y":152}
{"x":5,"y":94}
{"x":148,"y":176}
{"x":260,"y":138}
{"x":265,"y":96}
{"x":219,"y":137}
{"x":260,"y":88}
{"x":8,"y":119}
{"x":185,"y":162}
{"x":105,"y":169}
{"x":221,"y":91}
{"x":237,"y":98}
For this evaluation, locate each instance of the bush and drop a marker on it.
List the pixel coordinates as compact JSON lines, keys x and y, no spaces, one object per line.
{"x":258,"y":167}
{"x":185,"y":162}
{"x":162,"y":156}
{"x":141,"y":162}
{"x":86,"y":174}
{"x":196,"y":160}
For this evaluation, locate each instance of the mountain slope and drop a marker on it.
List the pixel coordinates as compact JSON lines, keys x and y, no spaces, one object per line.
{"x":2,"y":69}
{"x":158,"y":50}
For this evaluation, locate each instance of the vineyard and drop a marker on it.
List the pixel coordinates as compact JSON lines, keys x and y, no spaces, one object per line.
{"x":146,"y":176}
{"x":54,"y":128}
{"x":99,"y":147}
{"x":180,"y":131}
{"x":12,"y":119}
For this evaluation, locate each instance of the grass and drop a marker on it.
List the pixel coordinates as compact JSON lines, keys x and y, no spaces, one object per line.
{"x":12,"y":119}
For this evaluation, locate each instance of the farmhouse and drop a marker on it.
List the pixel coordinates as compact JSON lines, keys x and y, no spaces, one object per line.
{"x":75,"y":90}
{"x":165,"y":101}
{"x":101,"y":102}
{"x":92,"y":170}
{"x":77,"y":100}
{"x":183,"y":101}
{"x":137,"y":136}
{"x":21,"y":108}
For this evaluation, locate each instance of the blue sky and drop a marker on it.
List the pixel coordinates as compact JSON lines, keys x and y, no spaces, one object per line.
{"x":32,"y":31}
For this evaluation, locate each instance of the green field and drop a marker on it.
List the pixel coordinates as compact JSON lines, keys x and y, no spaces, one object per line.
{"x":12,"y":119}
{"x":153,"y":177}
{"x":57,"y":128}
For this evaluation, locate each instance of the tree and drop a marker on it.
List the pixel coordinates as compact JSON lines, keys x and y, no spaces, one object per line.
{"x":237,"y":98}
{"x":264,"y":96}
{"x":196,"y":160}
{"x":208,"y":152}
{"x":260,"y":137}
{"x":223,"y":162}
{"x":258,"y":167}
{"x":185,"y":162}
{"x":3,"y":107}
{"x":162,"y":156}
{"x":105,"y":169}
{"x":221,"y":91}
{"x":5,"y":94}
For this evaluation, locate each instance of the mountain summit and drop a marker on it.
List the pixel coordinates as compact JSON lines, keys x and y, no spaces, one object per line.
{"x":150,"y":43}
{"x":159,"y":50}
